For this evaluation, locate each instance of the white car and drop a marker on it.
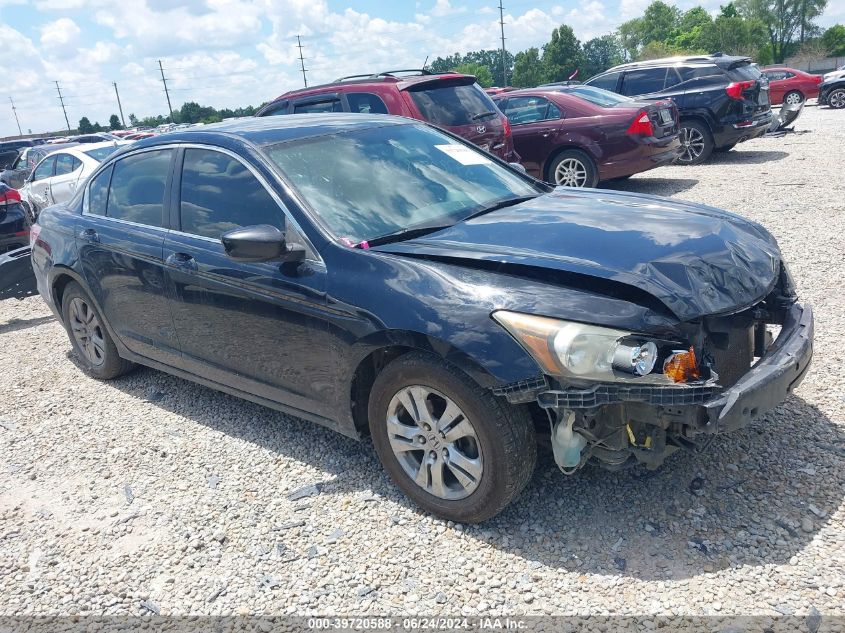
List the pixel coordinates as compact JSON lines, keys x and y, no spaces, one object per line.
{"x":56,"y":178}
{"x":836,"y":74}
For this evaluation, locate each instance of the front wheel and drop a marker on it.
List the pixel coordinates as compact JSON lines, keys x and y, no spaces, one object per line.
{"x":793,"y":98}
{"x":696,"y":143}
{"x":450,"y":445}
{"x":836,"y":99}
{"x":573,"y":168}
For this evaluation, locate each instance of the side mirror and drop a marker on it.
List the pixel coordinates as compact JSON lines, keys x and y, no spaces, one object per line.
{"x":261,"y":243}
{"x":518,"y":167}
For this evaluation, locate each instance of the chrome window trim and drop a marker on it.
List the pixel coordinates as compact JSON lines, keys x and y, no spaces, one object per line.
{"x":316,"y":259}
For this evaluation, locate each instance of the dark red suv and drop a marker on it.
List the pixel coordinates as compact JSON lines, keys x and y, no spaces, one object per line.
{"x":451,"y":101}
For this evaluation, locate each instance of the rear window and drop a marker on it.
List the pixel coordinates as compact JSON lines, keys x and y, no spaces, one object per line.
{"x":453,"y":105}
{"x":744,"y":72}
{"x":597,"y":96}
{"x":100,"y":153}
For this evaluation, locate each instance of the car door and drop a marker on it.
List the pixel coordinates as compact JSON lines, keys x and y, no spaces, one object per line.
{"x":65,"y":177}
{"x":535,"y":124}
{"x":38,"y":185}
{"x":120,"y":236}
{"x":259,"y":327}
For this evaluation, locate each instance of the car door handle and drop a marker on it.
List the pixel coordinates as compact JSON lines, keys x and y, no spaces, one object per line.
{"x":90,"y":235}
{"x":182,"y":261}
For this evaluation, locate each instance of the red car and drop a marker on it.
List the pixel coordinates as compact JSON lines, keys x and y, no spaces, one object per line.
{"x":790,"y":86}
{"x":452,"y":101}
{"x":578,"y":136}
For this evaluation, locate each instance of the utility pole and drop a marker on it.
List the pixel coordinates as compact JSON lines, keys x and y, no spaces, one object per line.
{"x":502,"y":24}
{"x":15,"y":110}
{"x":301,"y":61}
{"x":119,"y":107}
{"x":166,"y":94}
{"x":62,"y":101}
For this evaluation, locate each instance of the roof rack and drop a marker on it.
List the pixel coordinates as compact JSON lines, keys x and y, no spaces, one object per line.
{"x":386,"y":73}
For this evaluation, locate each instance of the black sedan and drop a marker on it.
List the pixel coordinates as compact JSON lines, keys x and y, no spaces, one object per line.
{"x":383,"y":277}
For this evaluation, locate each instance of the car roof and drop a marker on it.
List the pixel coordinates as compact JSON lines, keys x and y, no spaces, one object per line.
{"x":276,"y":129}
{"x":390,"y":77}
{"x":719,"y":60}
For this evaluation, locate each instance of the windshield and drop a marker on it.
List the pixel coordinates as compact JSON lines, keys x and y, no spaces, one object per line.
{"x":452,"y":104}
{"x":369,"y":183}
{"x":100,"y":153}
{"x":597,"y":96}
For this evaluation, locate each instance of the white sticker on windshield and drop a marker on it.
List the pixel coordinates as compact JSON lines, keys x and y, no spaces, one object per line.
{"x":464,"y":155}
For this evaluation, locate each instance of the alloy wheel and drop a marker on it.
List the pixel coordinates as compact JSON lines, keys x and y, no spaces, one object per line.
{"x":434,"y":442}
{"x":87,"y":331}
{"x":793,"y":98}
{"x":692,"y":144}
{"x":836,"y":99}
{"x":571,"y":172}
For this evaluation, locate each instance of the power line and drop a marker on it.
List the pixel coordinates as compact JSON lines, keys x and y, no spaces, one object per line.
{"x":15,"y":110}
{"x":502,"y":24}
{"x":167,"y":94}
{"x":301,"y":61}
{"x":62,"y":101}
{"x":119,"y":107}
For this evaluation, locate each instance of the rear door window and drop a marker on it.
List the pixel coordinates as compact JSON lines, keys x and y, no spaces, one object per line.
{"x":521,"y":110}
{"x":137,"y":188}
{"x":65,"y":164}
{"x":45,"y":169}
{"x":643,"y":81}
{"x":219,"y":194}
{"x":605,"y":82}
{"x":452,"y":105}
{"x":365,"y":103}
{"x":330,"y":105}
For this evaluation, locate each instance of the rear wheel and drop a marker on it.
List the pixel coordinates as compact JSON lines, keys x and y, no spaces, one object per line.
{"x":836,"y":99}
{"x":573,"y":168}
{"x":696,"y":143}
{"x":794,"y":97}
{"x":450,"y":445}
{"x":91,"y":341}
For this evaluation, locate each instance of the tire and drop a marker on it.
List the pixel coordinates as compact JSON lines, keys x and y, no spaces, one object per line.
{"x":836,"y":99}
{"x":95,"y":350}
{"x":489,"y":459}
{"x":793,"y":97}
{"x":573,"y":168}
{"x":696,"y":143}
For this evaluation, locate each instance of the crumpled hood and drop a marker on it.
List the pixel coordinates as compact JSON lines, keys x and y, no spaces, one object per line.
{"x":694,"y":259}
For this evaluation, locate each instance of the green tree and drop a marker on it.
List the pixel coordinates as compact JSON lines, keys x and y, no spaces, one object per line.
{"x":482,"y":73}
{"x":114,"y":122}
{"x":630,"y":36}
{"x":656,"y":50}
{"x":787,"y":22}
{"x":97,"y":127}
{"x":834,"y":40}
{"x":562,"y":55}
{"x":600,"y":53}
{"x":735,"y":36}
{"x":528,"y":69}
{"x":492,"y":58}
{"x":85,"y":126}
{"x":729,"y":11}
{"x":688,"y":35}
{"x":659,"y":22}
{"x":133,"y":120}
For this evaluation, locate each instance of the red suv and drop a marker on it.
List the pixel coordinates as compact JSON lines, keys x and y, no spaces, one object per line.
{"x":451,"y":101}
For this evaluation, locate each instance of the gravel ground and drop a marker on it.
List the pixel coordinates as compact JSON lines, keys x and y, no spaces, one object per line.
{"x":152,"y":494}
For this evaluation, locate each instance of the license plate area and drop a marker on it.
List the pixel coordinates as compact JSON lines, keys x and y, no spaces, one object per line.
{"x":666,"y":116}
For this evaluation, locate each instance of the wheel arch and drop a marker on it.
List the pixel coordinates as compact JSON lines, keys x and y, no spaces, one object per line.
{"x":372,"y":354}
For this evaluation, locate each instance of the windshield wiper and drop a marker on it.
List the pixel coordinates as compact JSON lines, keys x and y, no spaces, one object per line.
{"x":481,"y":115}
{"x":405,"y":234}
{"x":507,"y":202}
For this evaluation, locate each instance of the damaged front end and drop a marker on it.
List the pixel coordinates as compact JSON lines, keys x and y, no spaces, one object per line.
{"x":649,"y":398}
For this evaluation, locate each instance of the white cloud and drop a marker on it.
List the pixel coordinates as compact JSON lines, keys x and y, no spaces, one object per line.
{"x":60,"y":36}
{"x":444,"y":7}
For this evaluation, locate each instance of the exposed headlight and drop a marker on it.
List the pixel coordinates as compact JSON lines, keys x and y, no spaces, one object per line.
{"x":578,"y":350}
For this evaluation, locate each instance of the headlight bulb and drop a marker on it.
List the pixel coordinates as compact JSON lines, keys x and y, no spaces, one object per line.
{"x":636,"y":359}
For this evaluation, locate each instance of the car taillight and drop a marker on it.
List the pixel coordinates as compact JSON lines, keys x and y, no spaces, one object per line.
{"x":736,"y":89}
{"x":507,"y":127}
{"x":641,"y":125}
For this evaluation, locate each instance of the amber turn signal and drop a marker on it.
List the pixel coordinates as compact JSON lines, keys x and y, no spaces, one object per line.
{"x":681,"y":366}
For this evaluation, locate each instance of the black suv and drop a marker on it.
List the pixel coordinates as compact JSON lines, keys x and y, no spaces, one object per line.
{"x":722,"y":100}
{"x":832,"y":93}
